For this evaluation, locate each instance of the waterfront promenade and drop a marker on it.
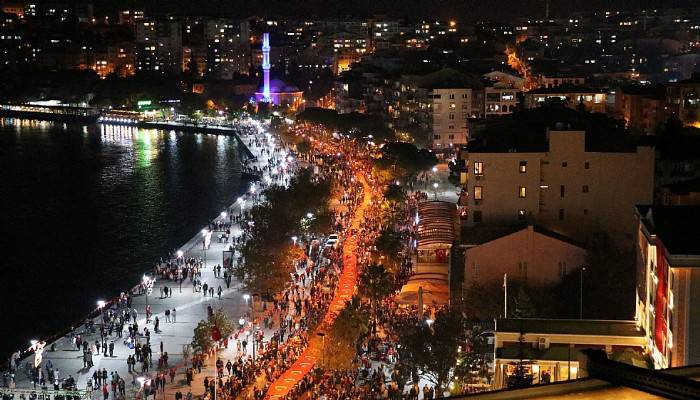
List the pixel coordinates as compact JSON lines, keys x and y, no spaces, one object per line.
{"x":191,"y":307}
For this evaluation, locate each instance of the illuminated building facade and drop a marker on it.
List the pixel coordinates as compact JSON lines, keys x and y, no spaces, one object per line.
{"x":668,"y":286}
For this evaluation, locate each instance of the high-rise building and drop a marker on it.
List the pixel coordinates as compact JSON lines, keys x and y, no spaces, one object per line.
{"x":159,"y":46}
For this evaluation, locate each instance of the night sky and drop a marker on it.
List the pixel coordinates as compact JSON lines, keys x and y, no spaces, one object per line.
{"x":502,"y":10}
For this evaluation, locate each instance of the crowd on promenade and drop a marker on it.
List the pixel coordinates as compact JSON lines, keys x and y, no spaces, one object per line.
{"x":118,"y":328}
{"x":293,"y":313}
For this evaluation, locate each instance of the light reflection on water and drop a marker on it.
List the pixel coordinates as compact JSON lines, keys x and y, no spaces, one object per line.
{"x":84,"y":210}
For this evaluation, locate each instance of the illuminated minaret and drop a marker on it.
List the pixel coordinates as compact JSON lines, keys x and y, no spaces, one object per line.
{"x":266,"y":67}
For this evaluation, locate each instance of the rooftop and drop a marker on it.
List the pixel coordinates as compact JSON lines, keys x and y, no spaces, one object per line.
{"x":484,"y":234}
{"x":684,"y":187}
{"x":526,"y":131}
{"x":566,"y":88}
{"x":570,"y":327}
{"x":436,"y":223}
{"x":675,"y":226}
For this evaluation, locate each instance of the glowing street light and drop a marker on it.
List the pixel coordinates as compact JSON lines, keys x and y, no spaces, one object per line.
{"x":294,"y":239}
{"x":224,"y":214}
{"x":309,"y":215}
{"x":179,"y":254}
{"x":147,"y":284}
{"x":101,"y":304}
{"x":434,"y":169}
{"x":241,"y":321}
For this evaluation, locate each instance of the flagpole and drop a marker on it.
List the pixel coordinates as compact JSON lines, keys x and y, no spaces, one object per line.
{"x":216,"y":370}
{"x":505,"y":295}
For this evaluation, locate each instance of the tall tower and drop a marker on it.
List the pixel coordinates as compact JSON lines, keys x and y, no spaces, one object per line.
{"x":266,"y":67}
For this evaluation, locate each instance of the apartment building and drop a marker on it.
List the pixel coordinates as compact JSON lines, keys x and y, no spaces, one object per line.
{"x":683,"y":100}
{"x":159,"y":46}
{"x":500,"y":100}
{"x":668,"y":283}
{"x":228,"y":48}
{"x":573,"y":96}
{"x":568,"y":180}
{"x":450,"y":116}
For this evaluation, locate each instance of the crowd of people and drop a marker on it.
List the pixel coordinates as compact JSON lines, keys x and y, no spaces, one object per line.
{"x":293,"y":313}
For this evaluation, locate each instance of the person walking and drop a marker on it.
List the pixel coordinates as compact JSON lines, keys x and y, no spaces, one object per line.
{"x":167,"y":315}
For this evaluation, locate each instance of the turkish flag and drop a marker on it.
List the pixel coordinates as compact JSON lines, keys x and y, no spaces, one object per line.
{"x":215,"y":334}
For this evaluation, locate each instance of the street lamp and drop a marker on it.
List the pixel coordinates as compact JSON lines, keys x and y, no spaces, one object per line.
{"x":309,"y":215}
{"x":205,"y":231}
{"x":580,"y":303}
{"x":435,"y":187}
{"x":147,"y":283}
{"x":294,"y":239}
{"x":223,"y":214}
{"x":323,"y":348}
{"x":101,"y":307}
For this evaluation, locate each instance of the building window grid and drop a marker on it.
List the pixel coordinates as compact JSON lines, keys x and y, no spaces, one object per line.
{"x":522,"y":192}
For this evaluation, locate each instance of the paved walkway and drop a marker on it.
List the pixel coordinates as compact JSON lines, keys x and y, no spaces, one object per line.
{"x":175,"y":336}
{"x":346,"y":288}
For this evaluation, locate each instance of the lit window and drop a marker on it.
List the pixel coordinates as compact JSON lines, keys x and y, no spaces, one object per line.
{"x":523,"y":167}
{"x":478,"y":193}
{"x":522,"y":192}
{"x":478,"y":168}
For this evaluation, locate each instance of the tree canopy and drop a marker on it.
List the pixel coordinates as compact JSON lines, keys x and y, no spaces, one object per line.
{"x":434,"y":349}
{"x":269,"y":252}
{"x":356,"y":124}
{"x":406,"y":157}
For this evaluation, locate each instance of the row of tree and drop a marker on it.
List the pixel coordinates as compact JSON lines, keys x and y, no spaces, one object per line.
{"x":269,"y":253}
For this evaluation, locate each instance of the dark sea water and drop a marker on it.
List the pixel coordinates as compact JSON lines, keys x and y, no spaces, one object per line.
{"x":85,"y":210}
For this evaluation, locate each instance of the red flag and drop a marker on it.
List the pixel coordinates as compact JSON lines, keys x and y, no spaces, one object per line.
{"x":215,"y":334}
